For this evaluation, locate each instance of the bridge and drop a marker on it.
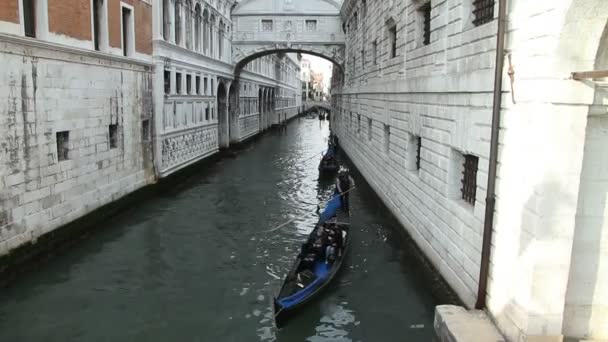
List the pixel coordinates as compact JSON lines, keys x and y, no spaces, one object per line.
{"x":263,"y":27}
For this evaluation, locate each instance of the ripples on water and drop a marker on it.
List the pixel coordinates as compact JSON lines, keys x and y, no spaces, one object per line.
{"x":194,"y":264}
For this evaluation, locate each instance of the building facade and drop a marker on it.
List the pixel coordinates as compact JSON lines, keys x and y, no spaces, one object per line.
{"x":75,"y":111}
{"x":414,"y":113}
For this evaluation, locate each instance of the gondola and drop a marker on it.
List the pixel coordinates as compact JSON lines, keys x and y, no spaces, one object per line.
{"x":313,"y":272}
{"x":329,"y":164}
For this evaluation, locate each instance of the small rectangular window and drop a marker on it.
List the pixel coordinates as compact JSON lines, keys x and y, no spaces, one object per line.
{"x":145,"y":130}
{"x":178,"y":83}
{"x":113,"y":134}
{"x":212,"y":86}
{"x":127,"y":32}
{"x":167,"y":81}
{"x":418,"y":151}
{"x":392,"y":35}
{"x":483,"y":11}
{"x":425,"y":13}
{"x":358,"y":123}
{"x":207,"y":114}
{"x":369,"y":129}
{"x":363,"y":59}
{"x":212,"y":113}
{"x":205,"y":87}
{"x":469,"y":178}
{"x":29,"y":18}
{"x":97,"y":8}
{"x":63,"y":145}
{"x":375,"y":51}
{"x":267,"y":25}
{"x":311,"y":25}
{"x":387,"y":138}
{"x":189,"y":84}
{"x":198,"y":85}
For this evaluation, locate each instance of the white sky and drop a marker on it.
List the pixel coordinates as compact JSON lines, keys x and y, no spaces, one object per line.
{"x":319,"y":64}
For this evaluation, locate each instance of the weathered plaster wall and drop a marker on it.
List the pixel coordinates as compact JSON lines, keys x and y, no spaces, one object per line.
{"x":45,"y":90}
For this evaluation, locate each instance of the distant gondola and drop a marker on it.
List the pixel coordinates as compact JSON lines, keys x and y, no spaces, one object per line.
{"x":329,"y":164}
{"x":312,"y":272}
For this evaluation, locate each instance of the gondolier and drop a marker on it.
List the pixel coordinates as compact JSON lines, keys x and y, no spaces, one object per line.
{"x":344,"y":184}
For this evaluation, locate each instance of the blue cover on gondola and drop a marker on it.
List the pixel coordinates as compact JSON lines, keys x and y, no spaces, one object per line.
{"x":331,"y":209}
{"x":330,"y":153}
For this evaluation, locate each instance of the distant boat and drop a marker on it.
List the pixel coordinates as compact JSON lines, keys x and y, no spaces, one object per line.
{"x":311,"y":272}
{"x":329,"y":164}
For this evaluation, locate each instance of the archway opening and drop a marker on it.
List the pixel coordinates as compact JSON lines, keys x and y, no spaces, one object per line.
{"x":222,"y":116}
{"x":233,"y":110}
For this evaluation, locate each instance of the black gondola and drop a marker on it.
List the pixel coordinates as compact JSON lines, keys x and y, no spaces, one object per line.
{"x":329,"y":164}
{"x":315,"y":267}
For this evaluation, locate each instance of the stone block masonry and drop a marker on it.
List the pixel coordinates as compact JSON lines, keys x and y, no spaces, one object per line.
{"x":59,"y":157}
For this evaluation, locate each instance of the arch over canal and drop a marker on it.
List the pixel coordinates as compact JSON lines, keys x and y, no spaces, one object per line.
{"x":264,"y":27}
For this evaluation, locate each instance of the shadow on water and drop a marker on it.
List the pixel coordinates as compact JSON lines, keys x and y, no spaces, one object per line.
{"x":192,"y":262}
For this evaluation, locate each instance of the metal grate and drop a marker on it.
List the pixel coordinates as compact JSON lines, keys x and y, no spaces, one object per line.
{"x":419,"y":148}
{"x":426,"y":11}
{"x":483,"y":11}
{"x":63,"y":145}
{"x":469,"y":178}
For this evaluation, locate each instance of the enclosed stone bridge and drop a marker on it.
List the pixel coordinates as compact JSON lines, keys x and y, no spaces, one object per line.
{"x":263,"y":27}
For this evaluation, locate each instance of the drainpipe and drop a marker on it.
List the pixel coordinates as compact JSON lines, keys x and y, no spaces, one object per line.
{"x":491,"y":193}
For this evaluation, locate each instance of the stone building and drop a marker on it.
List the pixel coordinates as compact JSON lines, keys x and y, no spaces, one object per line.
{"x":75,"y":110}
{"x":414,"y":113}
{"x":202,"y":105}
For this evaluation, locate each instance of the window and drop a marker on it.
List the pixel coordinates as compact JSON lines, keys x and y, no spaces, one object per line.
{"x":425,"y":16}
{"x":369,"y":129}
{"x":178,"y":22}
{"x":212,"y":113}
{"x":207,"y":114}
{"x":363,"y":59}
{"x":358,"y":123}
{"x":483,"y":11}
{"x":189,"y":84}
{"x":167,"y":82}
{"x":178,"y":83}
{"x":63,"y":145}
{"x":97,"y":23}
{"x":166,"y":20}
{"x":127,"y":32}
{"x":198,"y":85}
{"x":311,"y":25}
{"x":387,"y":138}
{"x":212,"y":90}
{"x":392,"y":36}
{"x":375,"y":51}
{"x":355,"y":21}
{"x":469,"y":178}
{"x":267,"y":25}
{"x":145,"y":130}
{"x":113,"y":133}
{"x":205,"y":88}
{"x":414,"y":147}
{"x":29,"y":18}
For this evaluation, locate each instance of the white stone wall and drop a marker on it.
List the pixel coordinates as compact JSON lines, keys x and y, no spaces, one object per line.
{"x":45,"y":89}
{"x":442,"y":92}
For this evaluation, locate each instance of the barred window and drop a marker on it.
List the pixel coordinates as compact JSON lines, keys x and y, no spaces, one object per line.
{"x":311,"y":25}
{"x":425,"y":11}
{"x":392,"y":34}
{"x":267,"y":25}
{"x":418,"y":149}
{"x":483,"y":11}
{"x":469,"y":178}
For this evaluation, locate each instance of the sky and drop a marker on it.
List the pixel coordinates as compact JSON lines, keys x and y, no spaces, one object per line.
{"x":319,"y":64}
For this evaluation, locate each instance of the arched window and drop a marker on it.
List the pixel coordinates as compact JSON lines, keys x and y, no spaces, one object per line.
{"x":197,"y":27}
{"x":211,"y":39}
{"x":205,"y":32}
{"x":220,"y":39}
{"x":166,"y":20}
{"x":188,"y":23}
{"x":178,"y":22}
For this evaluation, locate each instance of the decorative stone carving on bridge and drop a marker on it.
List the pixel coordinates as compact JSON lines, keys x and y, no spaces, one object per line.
{"x":185,"y":146}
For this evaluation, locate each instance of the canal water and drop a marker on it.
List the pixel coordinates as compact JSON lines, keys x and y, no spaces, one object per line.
{"x":196,"y":262}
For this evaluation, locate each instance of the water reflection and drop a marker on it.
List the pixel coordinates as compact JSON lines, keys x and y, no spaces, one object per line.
{"x":201,"y":262}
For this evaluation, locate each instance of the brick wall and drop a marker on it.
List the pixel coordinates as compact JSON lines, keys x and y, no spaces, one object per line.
{"x":9,"y":11}
{"x":43,"y":92}
{"x":71,"y":18}
{"x":143,"y":27}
